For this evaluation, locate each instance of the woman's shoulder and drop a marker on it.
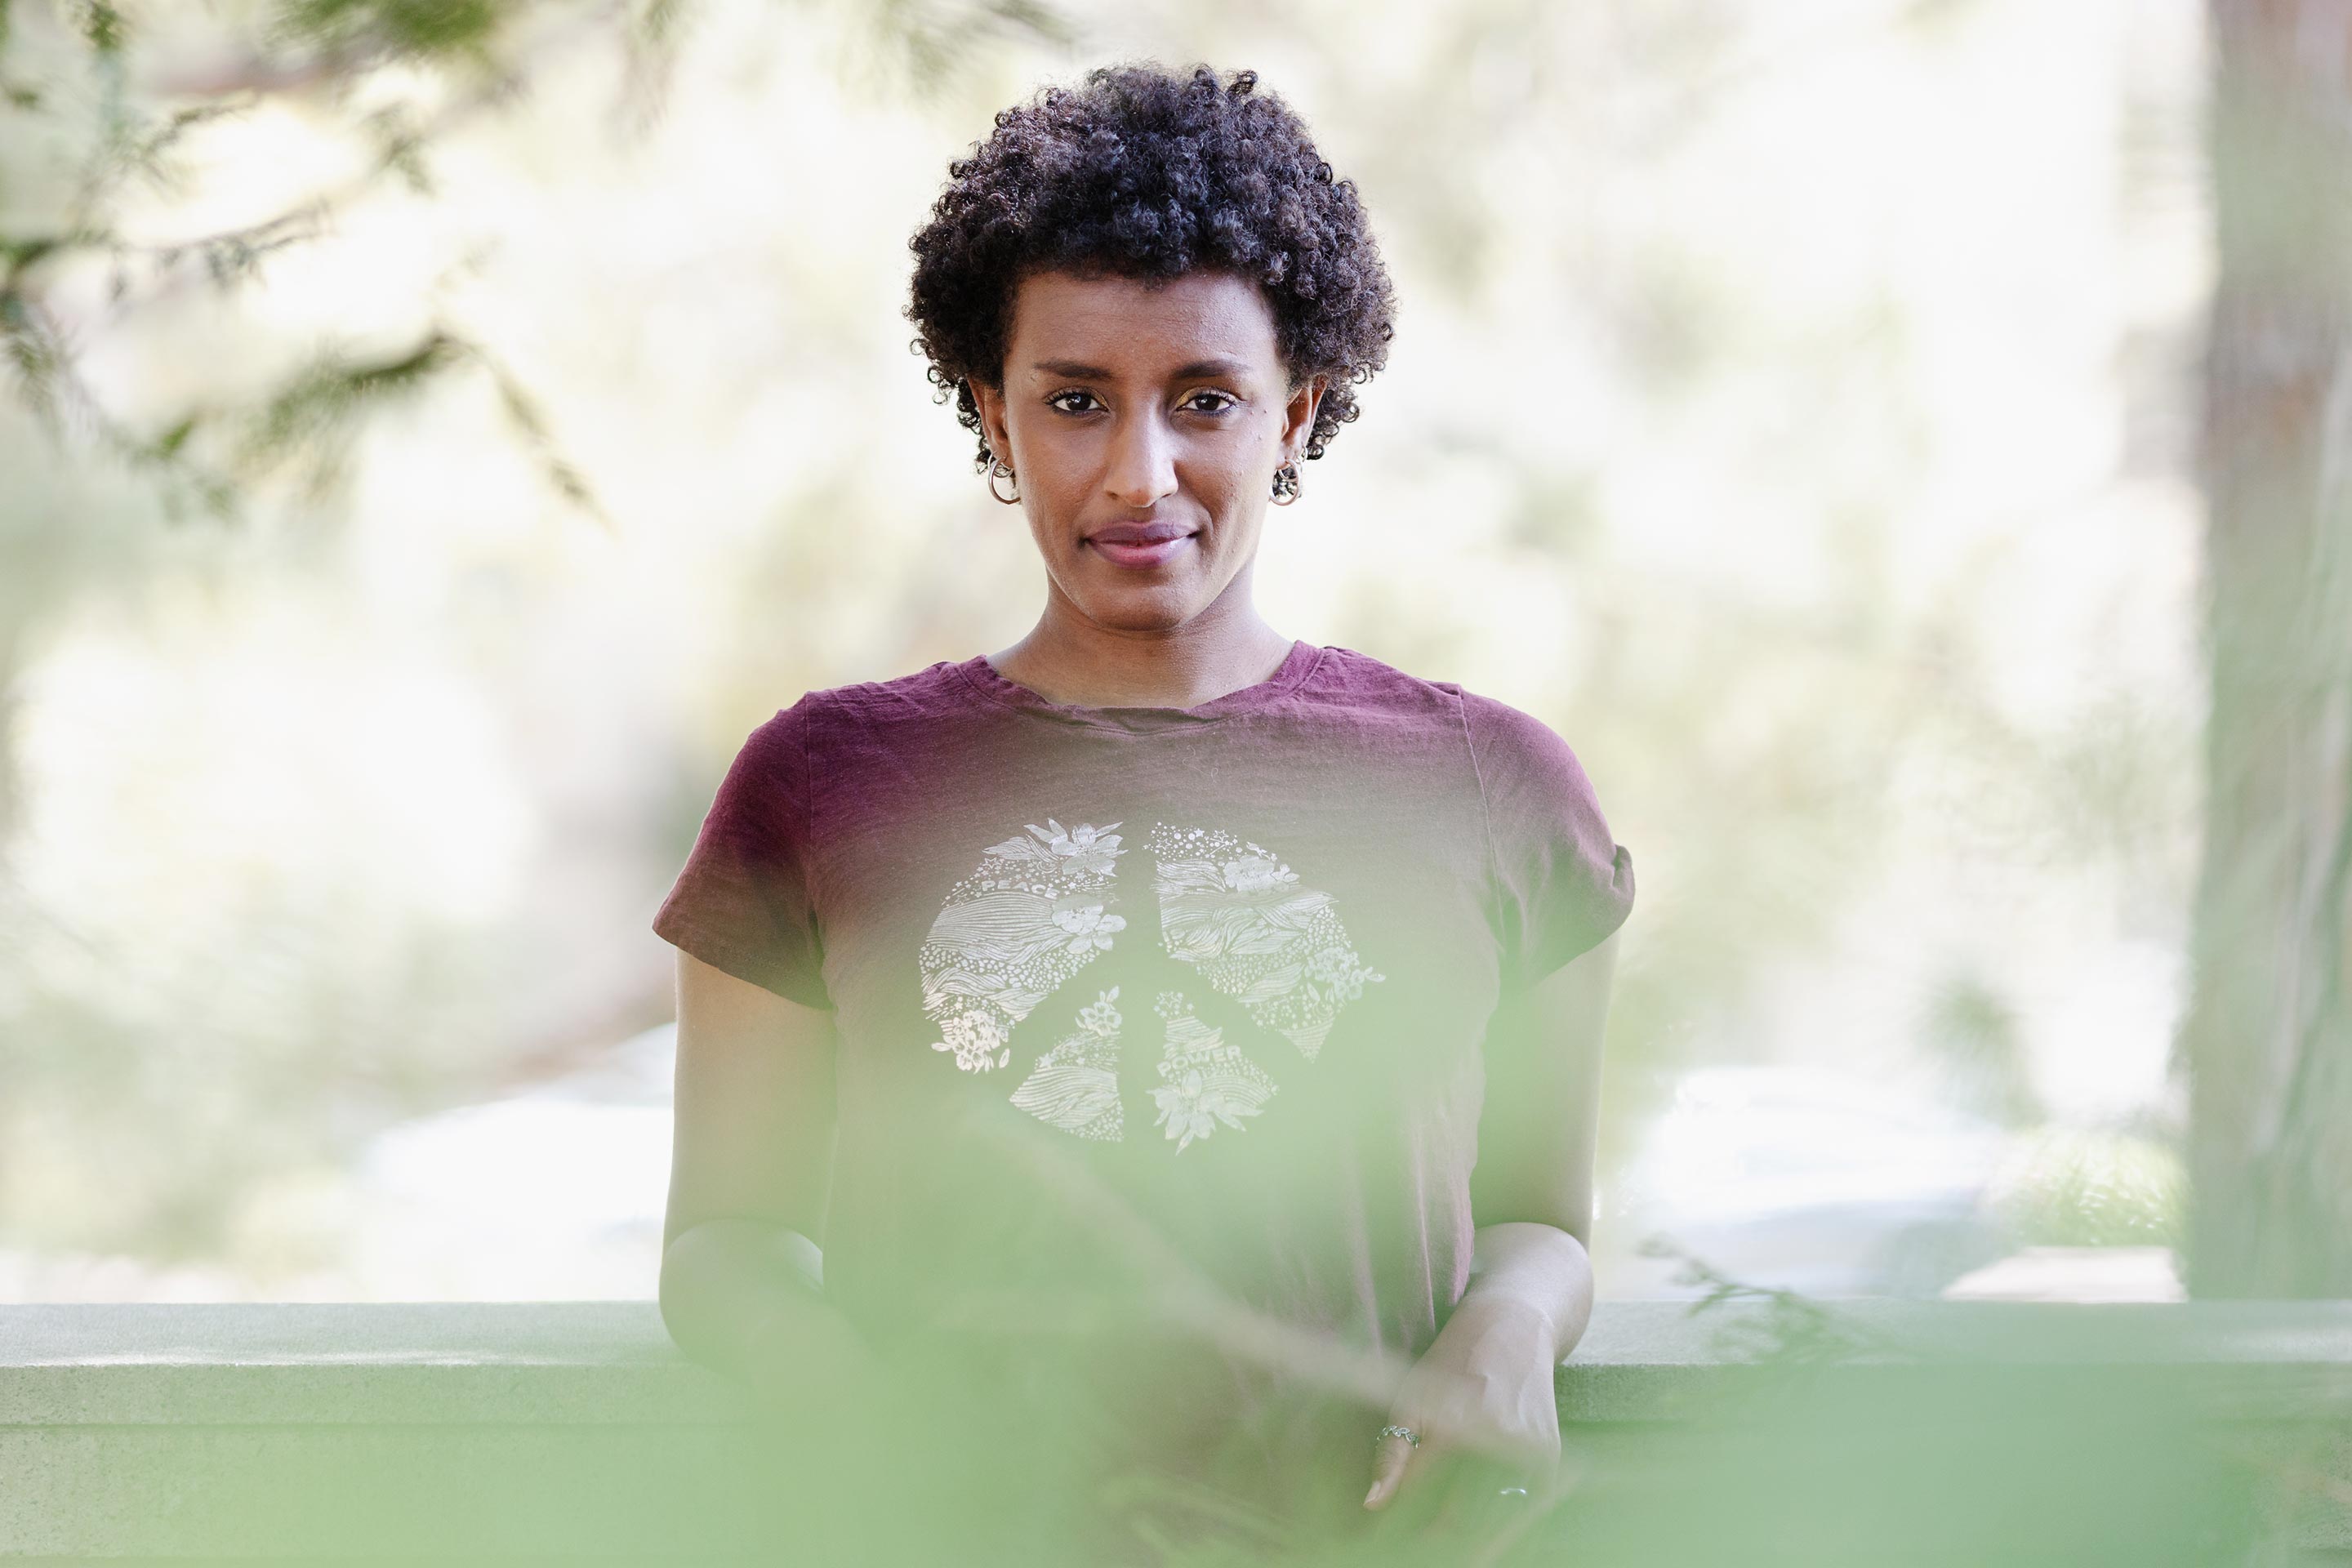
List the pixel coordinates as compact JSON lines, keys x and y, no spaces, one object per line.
{"x":1347,"y":672}
{"x":922,"y":692}
{"x":783,"y":744}
{"x":1502,"y":738}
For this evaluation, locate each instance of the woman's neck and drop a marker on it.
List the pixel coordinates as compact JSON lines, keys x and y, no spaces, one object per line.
{"x":1090,"y":666}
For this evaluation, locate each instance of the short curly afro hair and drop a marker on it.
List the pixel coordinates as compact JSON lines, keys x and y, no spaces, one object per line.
{"x":1142,"y":174}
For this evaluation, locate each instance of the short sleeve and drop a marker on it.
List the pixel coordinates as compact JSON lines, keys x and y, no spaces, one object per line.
{"x":1561,"y":883}
{"x":742,"y":903}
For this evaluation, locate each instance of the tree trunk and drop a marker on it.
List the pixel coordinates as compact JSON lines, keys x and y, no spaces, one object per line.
{"x":2268,"y":1037}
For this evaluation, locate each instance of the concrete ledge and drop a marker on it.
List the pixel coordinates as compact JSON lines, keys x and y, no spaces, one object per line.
{"x":501,"y":1432}
{"x":612,"y":1362}
{"x":1648,"y":1361}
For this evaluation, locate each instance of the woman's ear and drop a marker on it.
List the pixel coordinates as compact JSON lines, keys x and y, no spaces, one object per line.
{"x":1298,"y":417}
{"x":991,"y":404}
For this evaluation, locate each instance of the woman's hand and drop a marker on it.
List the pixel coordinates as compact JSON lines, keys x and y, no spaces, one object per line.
{"x":805,"y":1355}
{"x":1482,"y":1399}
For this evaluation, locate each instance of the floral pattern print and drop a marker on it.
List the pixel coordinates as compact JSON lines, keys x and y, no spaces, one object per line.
{"x":1090,"y":930}
{"x":1075,"y":1086}
{"x":1241,"y":916}
{"x":1014,"y":932}
{"x":1087,"y":847}
{"x":977,"y":1040}
{"x":1042,"y":908}
{"x":1204,"y":1080}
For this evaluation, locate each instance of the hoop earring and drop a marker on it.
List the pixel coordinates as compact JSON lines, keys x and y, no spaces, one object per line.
{"x":996,"y":467}
{"x":1285,"y":485}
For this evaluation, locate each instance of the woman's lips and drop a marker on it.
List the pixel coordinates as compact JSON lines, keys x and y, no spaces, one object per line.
{"x":1140,"y":555}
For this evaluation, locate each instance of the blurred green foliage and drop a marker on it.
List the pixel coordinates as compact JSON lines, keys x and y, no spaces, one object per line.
{"x":2079,"y":1188}
{"x":1823,"y":1442}
{"x":1809,"y":654}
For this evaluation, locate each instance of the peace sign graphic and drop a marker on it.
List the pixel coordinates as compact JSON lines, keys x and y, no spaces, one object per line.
{"x":1040,"y":909}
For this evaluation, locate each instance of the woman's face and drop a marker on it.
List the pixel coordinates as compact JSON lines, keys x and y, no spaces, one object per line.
{"x":1143,"y":424}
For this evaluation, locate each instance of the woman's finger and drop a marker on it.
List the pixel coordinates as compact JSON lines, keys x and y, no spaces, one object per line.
{"x":1423,"y":1484}
{"x":1391,"y":1459}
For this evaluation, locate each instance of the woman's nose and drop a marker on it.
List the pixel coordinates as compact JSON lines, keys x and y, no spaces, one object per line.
{"x":1142,"y":462}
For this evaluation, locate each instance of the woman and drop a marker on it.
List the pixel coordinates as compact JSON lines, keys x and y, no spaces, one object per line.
{"x":1182,"y":1039}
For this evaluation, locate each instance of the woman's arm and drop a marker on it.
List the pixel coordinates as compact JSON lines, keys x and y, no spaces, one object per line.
{"x":1532,"y":1190}
{"x":742,"y":1276}
{"x":1486,"y":1382}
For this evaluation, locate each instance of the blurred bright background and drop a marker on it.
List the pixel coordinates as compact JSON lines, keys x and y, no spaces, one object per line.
{"x":1792,"y":402}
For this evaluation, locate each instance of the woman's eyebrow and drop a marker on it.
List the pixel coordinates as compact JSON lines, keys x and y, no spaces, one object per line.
{"x":1077,"y":372}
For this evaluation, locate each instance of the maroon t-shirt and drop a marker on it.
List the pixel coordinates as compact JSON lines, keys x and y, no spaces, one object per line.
{"x":1186,"y":1004}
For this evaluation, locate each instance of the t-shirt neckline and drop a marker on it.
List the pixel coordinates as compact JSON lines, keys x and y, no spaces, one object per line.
{"x":985,"y":679}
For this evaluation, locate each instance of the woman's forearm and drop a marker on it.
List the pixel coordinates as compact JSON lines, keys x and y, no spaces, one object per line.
{"x":746,"y":1298}
{"x":1489,"y":1379}
{"x":1524,"y":1265}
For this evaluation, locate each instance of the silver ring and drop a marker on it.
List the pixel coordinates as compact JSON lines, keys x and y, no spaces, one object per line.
{"x":1407,"y":1433}
{"x":1513,"y":1491}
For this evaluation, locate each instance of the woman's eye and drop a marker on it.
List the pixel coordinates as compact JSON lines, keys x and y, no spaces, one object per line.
{"x":1199,"y":402}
